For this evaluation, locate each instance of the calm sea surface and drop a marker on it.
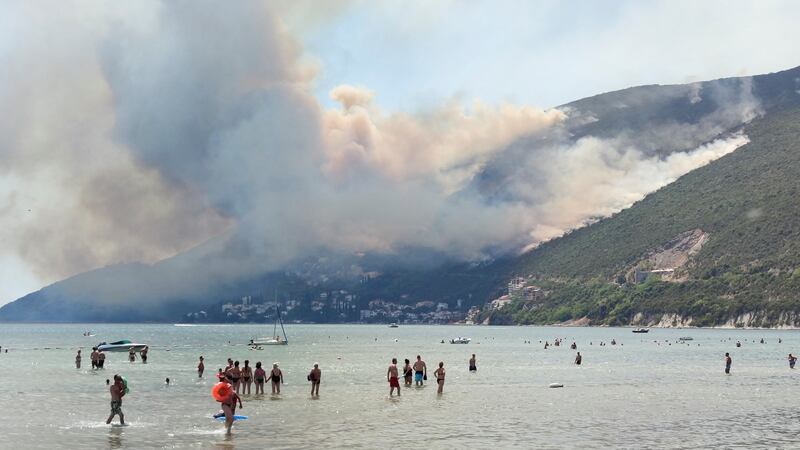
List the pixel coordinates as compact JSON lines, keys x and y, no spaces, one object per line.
{"x":640,"y":394}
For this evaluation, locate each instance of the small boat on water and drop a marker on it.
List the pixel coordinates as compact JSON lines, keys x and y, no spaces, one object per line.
{"x":686,"y":338}
{"x":393,"y":325}
{"x":641,"y":330}
{"x":460,"y":340}
{"x":276,"y":338}
{"x":120,"y":346}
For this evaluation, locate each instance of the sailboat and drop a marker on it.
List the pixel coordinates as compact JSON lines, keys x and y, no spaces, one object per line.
{"x":276,"y":338}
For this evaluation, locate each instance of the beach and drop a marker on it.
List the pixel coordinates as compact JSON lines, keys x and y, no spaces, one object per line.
{"x":636,"y":394}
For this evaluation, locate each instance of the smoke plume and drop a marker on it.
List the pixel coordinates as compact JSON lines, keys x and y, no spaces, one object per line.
{"x":135,"y":131}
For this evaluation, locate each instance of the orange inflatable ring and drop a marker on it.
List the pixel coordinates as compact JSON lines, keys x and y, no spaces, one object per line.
{"x":221,"y":391}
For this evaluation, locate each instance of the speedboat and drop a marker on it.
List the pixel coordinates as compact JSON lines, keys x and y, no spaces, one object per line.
{"x":120,"y":346}
{"x":641,"y":330}
{"x":393,"y":325}
{"x":687,"y":338}
{"x":460,"y":340}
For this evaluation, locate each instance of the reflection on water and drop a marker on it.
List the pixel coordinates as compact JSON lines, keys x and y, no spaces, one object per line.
{"x":115,"y":437}
{"x":650,"y":392}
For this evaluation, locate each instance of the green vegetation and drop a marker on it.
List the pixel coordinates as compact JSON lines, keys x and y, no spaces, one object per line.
{"x":748,"y":203}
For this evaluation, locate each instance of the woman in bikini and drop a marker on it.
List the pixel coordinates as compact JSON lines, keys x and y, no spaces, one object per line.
{"x":439,"y":374}
{"x":247,"y":376}
{"x":260,"y":376}
{"x":229,"y":408}
{"x":234,"y":375}
{"x":277,"y":379}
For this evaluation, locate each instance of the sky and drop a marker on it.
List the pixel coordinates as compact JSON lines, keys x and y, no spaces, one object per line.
{"x":400,"y":102}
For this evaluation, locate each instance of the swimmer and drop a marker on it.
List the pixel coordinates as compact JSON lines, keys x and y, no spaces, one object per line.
{"x":420,"y":371}
{"x":78,"y":360}
{"x":117,"y":391}
{"x":728,"y":362}
{"x":132,"y":355}
{"x":247,"y":377}
{"x":101,"y":359}
{"x":391,"y":377}
{"x":277,"y":379}
{"x":166,"y":381}
{"x":439,"y":374}
{"x":201,"y":368}
{"x":143,"y":354}
{"x":260,"y":376}
{"x":315,"y":377}
{"x":94,"y":358}
{"x":578,"y":359}
{"x":792,"y":361}
{"x":408,"y":373}
{"x":472,"y":366}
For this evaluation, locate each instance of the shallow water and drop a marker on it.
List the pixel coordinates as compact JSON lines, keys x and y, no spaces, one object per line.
{"x":636,"y":395}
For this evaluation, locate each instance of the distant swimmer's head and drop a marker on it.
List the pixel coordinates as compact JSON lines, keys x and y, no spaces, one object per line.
{"x":418,"y":357}
{"x":394,"y":360}
{"x":236,"y":364}
{"x":441,"y":364}
{"x":258,"y":365}
{"x":275,"y":365}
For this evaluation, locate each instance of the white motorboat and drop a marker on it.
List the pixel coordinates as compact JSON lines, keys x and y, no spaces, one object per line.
{"x":460,"y":340}
{"x":393,"y":325}
{"x":120,"y":346}
{"x":276,"y":338}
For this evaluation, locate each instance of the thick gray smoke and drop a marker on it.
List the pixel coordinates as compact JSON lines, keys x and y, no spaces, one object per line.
{"x":135,"y":131}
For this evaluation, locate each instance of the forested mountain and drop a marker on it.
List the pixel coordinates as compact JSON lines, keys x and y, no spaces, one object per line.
{"x":718,"y":245}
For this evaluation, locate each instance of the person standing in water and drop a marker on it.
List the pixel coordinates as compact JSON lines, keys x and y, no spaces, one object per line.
{"x":234,"y":375}
{"x":94,"y":358}
{"x":143,"y":354}
{"x":260,"y":375}
{"x":408,"y":373}
{"x":117,"y":392}
{"x":78,"y":360}
{"x":277,"y":379}
{"x":472,"y":366}
{"x":247,"y":377}
{"x":420,"y":371}
{"x":392,"y":377}
{"x":101,"y":359}
{"x":315,"y":376}
{"x":728,"y":362}
{"x":792,"y":361}
{"x":201,"y":368}
{"x":439,"y":374}
{"x":132,"y":355}
{"x":578,"y":359}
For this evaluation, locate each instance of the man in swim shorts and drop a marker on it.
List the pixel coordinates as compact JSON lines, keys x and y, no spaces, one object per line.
{"x":117,"y":392}
{"x":472,"y":366}
{"x":792,"y":361}
{"x":392,"y":378}
{"x":728,"y":362}
{"x":420,"y":371}
{"x":578,"y":359}
{"x":101,"y":359}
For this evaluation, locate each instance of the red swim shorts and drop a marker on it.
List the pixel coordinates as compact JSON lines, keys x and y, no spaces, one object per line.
{"x":394,"y":382}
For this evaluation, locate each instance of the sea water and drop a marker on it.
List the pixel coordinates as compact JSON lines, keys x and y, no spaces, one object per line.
{"x":649,"y":391}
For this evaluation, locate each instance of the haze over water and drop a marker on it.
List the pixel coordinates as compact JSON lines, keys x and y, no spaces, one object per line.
{"x":635,"y":395}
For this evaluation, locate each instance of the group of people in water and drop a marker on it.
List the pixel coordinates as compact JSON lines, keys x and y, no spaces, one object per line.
{"x":98,"y":357}
{"x":243,"y":377}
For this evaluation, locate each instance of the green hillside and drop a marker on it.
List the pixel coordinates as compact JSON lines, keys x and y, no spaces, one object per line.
{"x":748,"y":204}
